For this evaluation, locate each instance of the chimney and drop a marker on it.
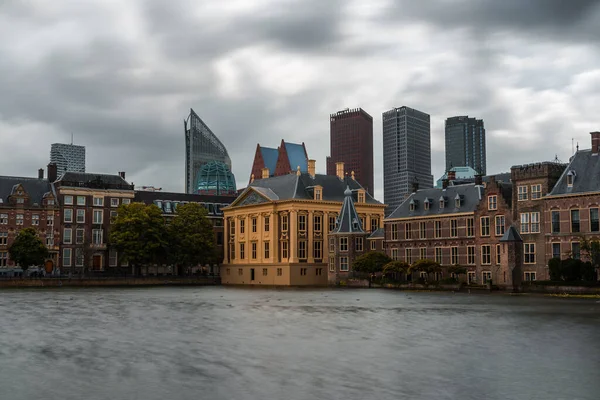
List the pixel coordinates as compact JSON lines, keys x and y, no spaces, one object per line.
{"x":445,"y":183}
{"x":415,"y":186}
{"x":298,"y":172}
{"x":122,"y":174}
{"x":479,"y":179}
{"x":41,"y":173}
{"x":52,"y":172}
{"x":311,"y":168}
{"x":451,"y":175}
{"x":352,"y":175}
{"x":339,"y":169}
{"x":265,"y":173}
{"x":595,"y":142}
{"x":251,"y":178}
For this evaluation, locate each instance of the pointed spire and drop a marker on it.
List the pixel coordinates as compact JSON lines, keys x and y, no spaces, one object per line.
{"x":348,"y":221}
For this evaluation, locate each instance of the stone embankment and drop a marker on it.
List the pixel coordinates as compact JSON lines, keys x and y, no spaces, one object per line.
{"x":108,"y":281}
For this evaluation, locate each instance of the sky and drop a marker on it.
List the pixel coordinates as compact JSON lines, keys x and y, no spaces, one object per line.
{"x":121,"y":77}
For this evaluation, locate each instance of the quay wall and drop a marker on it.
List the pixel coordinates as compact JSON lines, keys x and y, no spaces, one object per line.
{"x":114,"y":282}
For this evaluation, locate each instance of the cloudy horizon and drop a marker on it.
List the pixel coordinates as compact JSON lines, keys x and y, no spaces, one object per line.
{"x":121,"y":77}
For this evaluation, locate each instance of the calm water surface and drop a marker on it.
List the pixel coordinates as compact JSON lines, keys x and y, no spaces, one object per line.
{"x":225,"y":343}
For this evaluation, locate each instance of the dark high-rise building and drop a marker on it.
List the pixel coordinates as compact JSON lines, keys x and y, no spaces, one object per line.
{"x":351,"y":138}
{"x":67,"y":157}
{"x":201,"y":147}
{"x":406,"y":154}
{"x":465,"y":143}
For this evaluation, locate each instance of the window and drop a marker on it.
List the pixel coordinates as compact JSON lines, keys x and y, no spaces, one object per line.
{"x":242,"y":251}
{"x":471,"y":255}
{"x":231,"y":227}
{"x":454,"y":256}
{"x":302,"y":222}
{"x":594,"y":222}
{"x":79,"y":236}
{"x":126,"y":201}
{"x":114,"y":202}
{"x":486,"y":254}
{"x":471,"y":277}
{"x":486,"y":276}
{"x":68,"y":215}
{"x":343,"y":244}
{"x":253,"y":250}
{"x":412,"y":205}
{"x":530,"y":276}
{"x":80,"y":216}
{"x":499,"y":223}
{"x":284,"y":223}
{"x":522,"y":193}
{"x":358,"y":244}
{"x":492,"y":202}
{"x":570,"y":178}
{"x":3,"y":238}
{"x":317,"y":223}
{"x":113,"y":258}
{"x":556,"y":250}
{"x":302,"y":250}
{"x":331,"y":264}
{"x":49,"y":239}
{"x":98,"y":201}
{"x":98,"y":216}
{"x":3,"y":219}
{"x":529,"y":253}
{"x":50,"y":220}
{"x":317,"y":194}
{"x":279,"y":271}
{"x":575,"y":250}
{"x":3,"y":258}
{"x":470,"y":225}
{"x":97,"y":236}
{"x":242,"y":226}
{"x":331,"y":245}
{"x":318,"y":271}
{"x":408,"y":255}
{"x":303,"y":271}
{"x":66,"y":257}
{"x":438,"y":255}
{"x":343,"y":263}
{"x":284,"y":249}
{"x":232,"y":251}
{"x":20,"y":200}
{"x":265,"y":271}
{"x":457,"y":201}
{"x":426,"y":204}
{"x":79,"y":257}
{"x":50,"y":202}
{"x":555,"y":221}
{"x":228,"y":271}
{"x":81,"y":200}
{"x":267,"y":224}
{"x":20,"y":218}
{"x":254,"y":228}
{"x":422,"y":230}
{"x":68,"y":200}
{"x":438,"y":229}
{"x":574,"y":221}
{"x":453,"y":228}
{"x":423,"y":253}
{"x":442,"y":203}
{"x":394,"y":229}
{"x":407,"y":232}
{"x":498,"y":255}
{"x":331,"y":223}
{"x":318,"y":250}
{"x":535,"y":222}
{"x":35,"y":219}
{"x":395,"y":254}
{"x":485,"y":226}
{"x":267,"y":250}
{"x":373,"y":245}
{"x":113,"y":215}
{"x":68,"y":236}
{"x":525,"y":224}
{"x":240,"y":271}
{"x":536,"y":191}
{"x":374,"y":224}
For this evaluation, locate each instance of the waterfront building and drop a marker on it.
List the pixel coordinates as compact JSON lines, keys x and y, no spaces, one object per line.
{"x":88,"y":202}
{"x":201,"y":147}
{"x":215,"y":178}
{"x":67,"y":157}
{"x":406,"y":154}
{"x":465,"y":143}
{"x":351,"y":142}
{"x":276,"y":230}
{"x":29,"y":202}
{"x":283,"y":160}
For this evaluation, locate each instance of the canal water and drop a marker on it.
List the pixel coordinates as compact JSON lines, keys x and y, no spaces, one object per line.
{"x":227,"y":343}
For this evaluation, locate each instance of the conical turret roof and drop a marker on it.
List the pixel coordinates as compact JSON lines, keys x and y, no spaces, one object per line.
{"x":348,"y":220}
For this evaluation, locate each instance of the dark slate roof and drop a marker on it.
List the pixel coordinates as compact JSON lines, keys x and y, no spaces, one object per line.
{"x":297,"y":156}
{"x":379,"y":233}
{"x":269,"y":156}
{"x":470,"y":195}
{"x":293,"y":186}
{"x":586,"y":169}
{"x":511,"y":235}
{"x":84,"y":179}
{"x":501,"y":177}
{"x":506,"y":189}
{"x":149,"y":197}
{"x":35,"y":187}
{"x":348,"y":220}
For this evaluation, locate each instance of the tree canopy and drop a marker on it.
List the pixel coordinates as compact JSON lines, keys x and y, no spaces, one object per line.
{"x":457,"y":269}
{"x":370,"y":262}
{"x":425,"y":265}
{"x":28,"y":249}
{"x":192,"y":240}
{"x":398,"y":267}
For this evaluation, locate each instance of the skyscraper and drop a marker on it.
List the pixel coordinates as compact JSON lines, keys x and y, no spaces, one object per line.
{"x":465,"y":143}
{"x":68,"y":157}
{"x":406,"y":154}
{"x":351,"y":142}
{"x":201,"y":147}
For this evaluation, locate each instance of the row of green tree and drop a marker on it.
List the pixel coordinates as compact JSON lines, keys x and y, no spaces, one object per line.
{"x":571,"y":270}
{"x":142,"y":237}
{"x":374,"y":262}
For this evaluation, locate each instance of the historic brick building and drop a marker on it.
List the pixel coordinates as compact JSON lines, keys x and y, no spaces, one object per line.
{"x":285,"y":159}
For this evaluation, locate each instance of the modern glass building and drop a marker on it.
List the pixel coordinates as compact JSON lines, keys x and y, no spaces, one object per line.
{"x":406,"y":154}
{"x":201,"y":147}
{"x":215,"y":178}
{"x":68,"y":157}
{"x":465,"y":143}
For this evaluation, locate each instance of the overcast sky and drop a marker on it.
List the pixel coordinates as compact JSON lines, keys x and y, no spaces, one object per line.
{"x":122,"y":75}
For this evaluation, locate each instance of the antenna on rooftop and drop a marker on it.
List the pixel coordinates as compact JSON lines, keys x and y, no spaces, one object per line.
{"x":572,"y":146}
{"x":71,"y":138}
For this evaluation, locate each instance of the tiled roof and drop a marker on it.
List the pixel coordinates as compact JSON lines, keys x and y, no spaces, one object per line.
{"x":269,"y":156}
{"x":348,"y":220}
{"x":469,"y":195}
{"x":36,"y":188}
{"x":297,"y":156}
{"x":379,"y":233}
{"x":585,"y":169}
{"x":82,"y":179}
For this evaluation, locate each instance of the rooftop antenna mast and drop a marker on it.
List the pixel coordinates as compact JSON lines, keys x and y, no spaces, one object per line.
{"x":572,"y":146}
{"x":71,"y":138}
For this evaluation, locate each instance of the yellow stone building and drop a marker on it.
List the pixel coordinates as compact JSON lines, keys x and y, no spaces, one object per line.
{"x":277,"y":230}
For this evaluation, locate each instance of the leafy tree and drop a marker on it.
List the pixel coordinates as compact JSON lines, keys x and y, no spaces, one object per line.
{"x":396,"y":268}
{"x":139,"y":234}
{"x":457,"y":270}
{"x":425,"y":265}
{"x":28,"y":249}
{"x":192,"y":237}
{"x":370,"y":262}
{"x":591,"y":250}
{"x":555,"y":269}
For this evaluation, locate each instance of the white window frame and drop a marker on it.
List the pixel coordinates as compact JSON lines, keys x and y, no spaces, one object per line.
{"x":95,"y":220}
{"x":492,"y":202}
{"x":65,"y":257}
{"x":68,"y":239}
{"x":98,"y":202}
{"x":344,"y":267}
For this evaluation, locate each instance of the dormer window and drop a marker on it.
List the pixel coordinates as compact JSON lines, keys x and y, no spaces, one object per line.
{"x":355,"y":224}
{"x":442,"y":202}
{"x":570,"y":178}
{"x":413,"y":204}
{"x":426,"y":204}
{"x":361,"y":196}
{"x":457,"y":201}
{"x":318,"y":193}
